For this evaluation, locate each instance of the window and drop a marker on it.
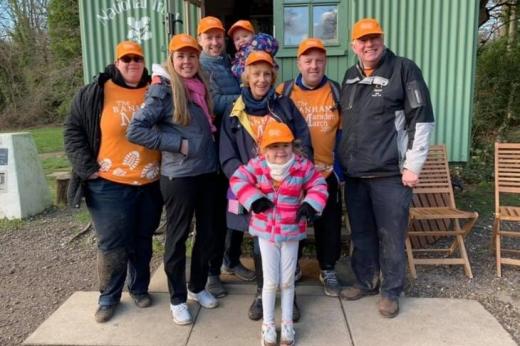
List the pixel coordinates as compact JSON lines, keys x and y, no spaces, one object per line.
{"x":299,"y":19}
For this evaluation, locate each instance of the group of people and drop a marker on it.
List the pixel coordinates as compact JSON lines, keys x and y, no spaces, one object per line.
{"x":217,"y":139}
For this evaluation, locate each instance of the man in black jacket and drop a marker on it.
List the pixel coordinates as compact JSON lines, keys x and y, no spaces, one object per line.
{"x":387,"y":120}
{"x":118,"y":179}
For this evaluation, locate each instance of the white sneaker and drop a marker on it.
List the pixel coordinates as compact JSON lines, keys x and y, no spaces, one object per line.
{"x":288,"y":335}
{"x":204,"y":298}
{"x":268,"y":335}
{"x":181,"y":314}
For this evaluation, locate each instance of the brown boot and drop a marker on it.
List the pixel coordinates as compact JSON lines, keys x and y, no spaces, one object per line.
{"x":355,"y":293}
{"x":388,"y":307}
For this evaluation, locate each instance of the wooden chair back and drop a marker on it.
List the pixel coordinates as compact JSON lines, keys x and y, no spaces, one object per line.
{"x":507,"y":170}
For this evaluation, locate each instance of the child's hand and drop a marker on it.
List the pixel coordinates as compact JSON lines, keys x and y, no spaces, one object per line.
{"x":305,"y":211}
{"x":261,"y":205}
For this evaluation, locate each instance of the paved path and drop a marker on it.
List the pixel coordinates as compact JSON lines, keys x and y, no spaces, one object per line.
{"x":325,"y":321}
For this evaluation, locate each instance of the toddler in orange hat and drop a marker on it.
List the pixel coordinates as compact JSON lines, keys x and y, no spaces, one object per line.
{"x":247,"y":40}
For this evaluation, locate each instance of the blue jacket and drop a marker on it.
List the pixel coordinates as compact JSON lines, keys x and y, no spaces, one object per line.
{"x":224,"y":87}
{"x":152,"y":127}
{"x":237,"y":146}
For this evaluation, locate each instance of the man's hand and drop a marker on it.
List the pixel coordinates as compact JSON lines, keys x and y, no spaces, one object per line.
{"x":410,"y":178}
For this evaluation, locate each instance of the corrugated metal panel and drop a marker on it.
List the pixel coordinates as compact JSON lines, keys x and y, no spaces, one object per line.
{"x":104,"y":23}
{"x":440,"y":36}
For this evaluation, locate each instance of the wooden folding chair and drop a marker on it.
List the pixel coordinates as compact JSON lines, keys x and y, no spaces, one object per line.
{"x":507,"y":180}
{"x":434,"y":214}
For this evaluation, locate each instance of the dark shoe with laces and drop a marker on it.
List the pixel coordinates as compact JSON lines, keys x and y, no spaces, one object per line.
{"x":255,"y":310}
{"x":388,"y":307}
{"x":214,"y":286}
{"x":330,"y":283}
{"x":143,"y":300}
{"x":296,"y":311}
{"x":104,"y":313}
{"x":239,"y":271}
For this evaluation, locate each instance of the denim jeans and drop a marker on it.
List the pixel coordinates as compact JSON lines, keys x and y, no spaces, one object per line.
{"x":378,"y":212}
{"x":124,"y":217}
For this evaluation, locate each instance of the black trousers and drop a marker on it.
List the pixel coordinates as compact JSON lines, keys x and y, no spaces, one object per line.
{"x":217,"y":255}
{"x":327,"y":228}
{"x":378,"y":210}
{"x":183,"y":198}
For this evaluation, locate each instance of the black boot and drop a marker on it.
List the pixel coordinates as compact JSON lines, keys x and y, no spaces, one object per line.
{"x":296,"y":311}
{"x":255,"y":310}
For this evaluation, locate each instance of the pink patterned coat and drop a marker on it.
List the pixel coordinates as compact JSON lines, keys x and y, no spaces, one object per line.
{"x":303,"y":184}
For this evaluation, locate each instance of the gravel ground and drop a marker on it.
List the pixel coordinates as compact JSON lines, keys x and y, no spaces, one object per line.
{"x":42,"y":265}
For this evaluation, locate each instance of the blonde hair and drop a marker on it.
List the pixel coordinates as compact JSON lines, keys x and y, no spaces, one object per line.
{"x":245,"y":75}
{"x":181,"y":115}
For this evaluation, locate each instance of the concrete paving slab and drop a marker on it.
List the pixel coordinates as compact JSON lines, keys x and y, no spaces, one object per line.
{"x":73,"y":324}
{"x":229,"y":325}
{"x":425,"y":322}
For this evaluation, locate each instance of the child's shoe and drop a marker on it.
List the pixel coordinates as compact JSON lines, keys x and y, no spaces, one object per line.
{"x":288,"y":335}
{"x":268,"y":335}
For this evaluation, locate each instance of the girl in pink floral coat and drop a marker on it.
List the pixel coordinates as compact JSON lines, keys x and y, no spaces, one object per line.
{"x":283,"y":191}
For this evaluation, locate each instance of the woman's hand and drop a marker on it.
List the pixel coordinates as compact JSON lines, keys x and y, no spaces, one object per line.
{"x":93,"y":176}
{"x":184,"y":147}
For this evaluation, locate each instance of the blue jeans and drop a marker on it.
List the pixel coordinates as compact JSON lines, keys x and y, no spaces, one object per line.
{"x":378,"y":212}
{"x":124,"y":218}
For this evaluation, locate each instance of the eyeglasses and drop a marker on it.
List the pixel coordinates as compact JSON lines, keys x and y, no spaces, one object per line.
{"x":127,"y":58}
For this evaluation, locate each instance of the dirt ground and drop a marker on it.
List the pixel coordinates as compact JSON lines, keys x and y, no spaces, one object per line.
{"x":43,"y":263}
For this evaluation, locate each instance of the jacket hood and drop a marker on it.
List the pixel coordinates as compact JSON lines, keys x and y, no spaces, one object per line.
{"x":111,"y":72}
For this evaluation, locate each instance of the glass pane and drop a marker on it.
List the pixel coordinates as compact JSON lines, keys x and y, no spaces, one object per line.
{"x":296,"y":25}
{"x":325,"y":23}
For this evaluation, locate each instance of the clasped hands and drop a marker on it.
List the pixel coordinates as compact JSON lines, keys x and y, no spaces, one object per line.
{"x":304,"y":210}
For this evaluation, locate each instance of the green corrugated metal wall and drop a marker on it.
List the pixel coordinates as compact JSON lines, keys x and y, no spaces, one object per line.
{"x":440,"y":36}
{"x":104,"y":23}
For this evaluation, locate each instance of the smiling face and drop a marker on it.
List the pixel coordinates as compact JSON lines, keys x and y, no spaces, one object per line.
{"x":212,"y":42}
{"x":242,"y":37}
{"x":369,"y":49}
{"x":312,"y":67}
{"x":131,"y":68}
{"x":186,"y":62}
{"x":260,"y":79}
{"x":278,"y":153}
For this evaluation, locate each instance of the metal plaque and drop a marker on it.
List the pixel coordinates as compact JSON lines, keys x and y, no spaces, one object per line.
{"x":3,"y":156}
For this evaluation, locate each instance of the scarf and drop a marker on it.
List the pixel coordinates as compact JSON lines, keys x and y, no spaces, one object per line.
{"x":280,"y":171}
{"x":254,"y":106}
{"x":299,"y":82}
{"x":197,"y":94}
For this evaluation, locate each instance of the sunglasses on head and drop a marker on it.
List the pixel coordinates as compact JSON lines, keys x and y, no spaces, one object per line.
{"x":127,"y":58}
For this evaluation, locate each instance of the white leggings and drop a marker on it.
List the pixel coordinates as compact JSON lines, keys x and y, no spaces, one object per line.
{"x":279,"y":263}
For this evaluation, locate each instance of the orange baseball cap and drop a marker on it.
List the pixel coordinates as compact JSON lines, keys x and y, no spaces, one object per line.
{"x":310,"y":43}
{"x":259,"y":56}
{"x":127,"y":48}
{"x":276,"y":132}
{"x":208,"y":23}
{"x":241,"y":24}
{"x":183,"y":41}
{"x":366,"y":26}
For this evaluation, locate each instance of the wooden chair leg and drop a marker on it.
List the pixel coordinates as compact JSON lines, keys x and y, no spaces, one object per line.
{"x":409,"y":253}
{"x":497,"y":250}
{"x":464,"y":255}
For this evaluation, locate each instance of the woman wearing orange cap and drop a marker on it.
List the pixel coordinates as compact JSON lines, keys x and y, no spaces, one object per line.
{"x":120,"y":180}
{"x":177,"y":119}
{"x":242,"y":129}
{"x":282,"y":190}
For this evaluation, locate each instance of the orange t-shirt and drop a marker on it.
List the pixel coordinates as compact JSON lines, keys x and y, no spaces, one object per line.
{"x":258,"y":124}
{"x":319,"y":110}
{"x":121,"y":161}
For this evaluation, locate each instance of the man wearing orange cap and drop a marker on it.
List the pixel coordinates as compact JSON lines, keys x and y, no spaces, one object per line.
{"x":119,"y":179}
{"x":387,"y":121}
{"x":225,"y":89}
{"x":317,"y":98}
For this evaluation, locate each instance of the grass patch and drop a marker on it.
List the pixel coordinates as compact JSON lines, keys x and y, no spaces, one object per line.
{"x":6,"y":224}
{"x":48,"y":139}
{"x":82,"y":216}
{"x":55,"y":163}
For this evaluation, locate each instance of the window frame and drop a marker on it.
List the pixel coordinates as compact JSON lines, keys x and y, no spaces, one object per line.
{"x":333,"y":49}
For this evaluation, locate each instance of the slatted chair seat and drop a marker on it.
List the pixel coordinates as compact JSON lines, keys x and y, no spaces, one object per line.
{"x":507,"y":181}
{"x":434,"y":214}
